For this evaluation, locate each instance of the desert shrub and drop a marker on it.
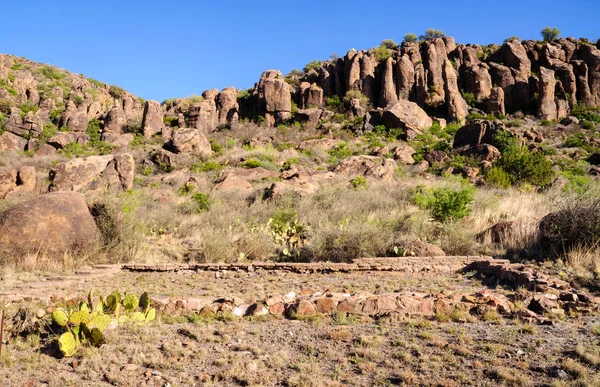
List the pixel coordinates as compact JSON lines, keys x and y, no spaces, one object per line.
{"x":27,"y":107}
{"x":550,"y":34}
{"x":252,"y":163}
{"x":522,"y":164}
{"x":356,"y":94}
{"x":93,"y":130}
{"x":5,"y":105}
{"x":116,"y":91}
{"x":340,"y":152}
{"x":575,"y":225}
{"x":445,"y":204}
{"x":133,"y":126}
{"x":470,"y":99}
{"x":359,"y":182}
{"x":382,"y":53}
{"x":116,"y":218}
{"x":411,"y":38}
{"x":497,"y":177}
{"x":512,"y":38}
{"x":333,"y":103}
{"x":198,"y":204}
{"x":313,"y":65}
{"x":207,"y":166}
{"x":431,"y":34}
{"x":52,"y":72}
{"x":287,"y":230}
{"x":48,"y":131}
{"x":575,"y":141}
{"x":78,"y":100}
{"x":587,"y":113}
{"x":588,"y":125}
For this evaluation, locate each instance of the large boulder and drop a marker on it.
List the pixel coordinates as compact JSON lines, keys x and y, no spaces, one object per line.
{"x":547,"y":106}
{"x":406,"y":115}
{"x":152,"y":121}
{"x":115,"y":121}
{"x":367,"y":166}
{"x":477,"y":132}
{"x":228,"y":106}
{"x":54,"y":223}
{"x":12,"y":142}
{"x":204,"y":115}
{"x":388,"y":88}
{"x":95,"y":173}
{"x":274,"y":95}
{"x":457,"y":106}
{"x":189,"y":140}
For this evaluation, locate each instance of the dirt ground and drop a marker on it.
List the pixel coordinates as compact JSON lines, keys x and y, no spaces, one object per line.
{"x":317,"y":351}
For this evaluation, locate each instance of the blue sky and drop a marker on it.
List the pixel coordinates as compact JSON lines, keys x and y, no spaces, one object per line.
{"x":174,"y":48}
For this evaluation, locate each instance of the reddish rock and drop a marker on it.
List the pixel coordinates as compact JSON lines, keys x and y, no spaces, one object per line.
{"x":277,"y":309}
{"x":305,"y":308}
{"x":326,"y":305}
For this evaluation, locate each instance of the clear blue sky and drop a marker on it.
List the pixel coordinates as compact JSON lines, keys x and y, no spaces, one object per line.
{"x":175,"y":48}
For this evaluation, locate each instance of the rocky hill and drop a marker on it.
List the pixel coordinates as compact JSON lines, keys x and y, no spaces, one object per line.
{"x":445,"y":79}
{"x":393,"y":119}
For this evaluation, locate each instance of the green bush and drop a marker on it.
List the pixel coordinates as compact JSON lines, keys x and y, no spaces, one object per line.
{"x":445,"y":204}
{"x":550,"y":34}
{"x":511,"y":39}
{"x":587,"y":113}
{"x":48,"y":131}
{"x":340,"y":151}
{"x":5,"y":105}
{"x":199,"y":203}
{"x":470,"y":99}
{"x":497,"y":177}
{"x":52,"y":72}
{"x":313,"y":65}
{"x":116,"y":91}
{"x":382,"y":53}
{"x":206,"y":167}
{"x":28,"y":107}
{"x":411,"y":38}
{"x":356,"y":94}
{"x":93,"y":130}
{"x":359,"y":182}
{"x":431,"y":34}
{"x":575,"y":141}
{"x":252,"y":163}
{"x":521,"y":164}
{"x":588,"y":125}
{"x":333,"y":103}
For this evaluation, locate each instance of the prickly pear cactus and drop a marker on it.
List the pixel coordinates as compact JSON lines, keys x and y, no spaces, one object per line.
{"x":150,"y":314}
{"x":60,"y":317}
{"x":68,"y":344}
{"x":130,"y":303}
{"x":145,"y":302}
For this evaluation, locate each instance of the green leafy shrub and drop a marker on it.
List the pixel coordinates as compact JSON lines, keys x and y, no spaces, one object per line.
{"x":550,"y":34}
{"x":116,"y":91}
{"x":207,"y":166}
{"x":522,"y":164}
{"x":587,"y":113}
{"x":78,"y":100}
{"x":52,"y":72}
{"x":411,"y":38}
{"x":5,"y":105}
{"x":445,"y":204}
{"x":340,"y":152}
{"x":575,"y":141}
{"x":497,"y":177}
{"x":431,"y":34}
{"x":48,"y":131}
{"x":252,"y":163}
{"x":359,"y":182}
{"x":93,"y":130}
{"x":202,"y":202}
{"x":470,"y":99}
{"x":313,"y":65}
{"x":382,"y":53}
{"x":588,"y":125}
{"x":27,"y":107}
{"x":333,"y":103}
{"x":356,"y":94}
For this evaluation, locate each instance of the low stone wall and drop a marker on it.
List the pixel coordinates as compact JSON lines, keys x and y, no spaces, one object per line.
{"x":401,"y":264}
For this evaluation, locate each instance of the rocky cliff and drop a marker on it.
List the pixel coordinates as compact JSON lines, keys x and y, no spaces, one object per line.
{"x":43,"y":109}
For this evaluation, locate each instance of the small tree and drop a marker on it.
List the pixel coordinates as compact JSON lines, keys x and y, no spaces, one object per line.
{"x":390,"y":44}
{"x":432,"y":34}
{"x":550,"y":34}
{"x":382,"y":53}
{"x":512,"y":38}
{"x":313,"y":65}
{"x":411,"y":38}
